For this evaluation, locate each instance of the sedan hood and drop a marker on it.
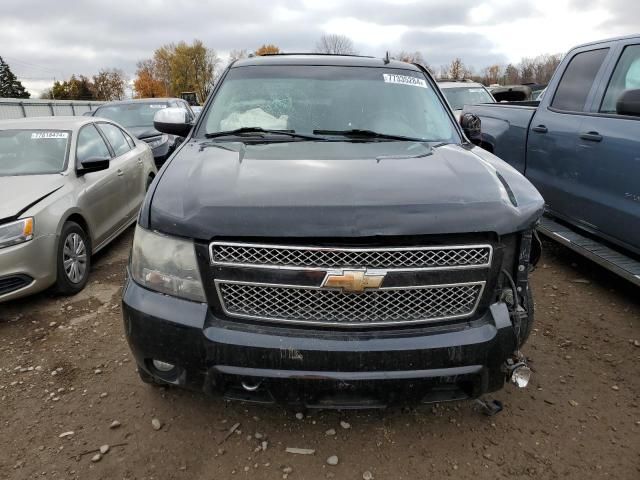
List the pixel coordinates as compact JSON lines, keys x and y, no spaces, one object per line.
{"x":337,"y":189}
{"x":18,"y":193}
{"x":143,"y":132}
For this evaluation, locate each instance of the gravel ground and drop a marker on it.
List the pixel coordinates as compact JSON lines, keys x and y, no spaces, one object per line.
{"x":66,"y":375}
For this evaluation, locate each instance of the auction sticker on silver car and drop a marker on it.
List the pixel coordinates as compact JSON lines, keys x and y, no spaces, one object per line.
{"x":404,"y":80}
{"x":38,"y":135}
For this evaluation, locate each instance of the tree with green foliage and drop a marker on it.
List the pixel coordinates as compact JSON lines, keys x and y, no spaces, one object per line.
{"x":76,"y":88}
{"x":193,"y":69}
{"x":178,"y":68}
{"x":109,"y":84}
{"x":10,"y":86}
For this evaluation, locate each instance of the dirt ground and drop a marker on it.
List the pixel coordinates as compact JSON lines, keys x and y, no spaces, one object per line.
{"x":65,"y":367}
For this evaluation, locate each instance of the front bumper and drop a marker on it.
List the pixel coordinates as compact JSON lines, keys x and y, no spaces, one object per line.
{"x":316,"y":368}
{"x":33,"y":261}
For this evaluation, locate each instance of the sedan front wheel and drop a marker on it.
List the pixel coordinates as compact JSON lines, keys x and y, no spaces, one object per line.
{"x":74,"y":259}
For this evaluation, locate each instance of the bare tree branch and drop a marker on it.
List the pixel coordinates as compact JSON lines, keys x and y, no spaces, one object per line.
{"x":335,"y":45}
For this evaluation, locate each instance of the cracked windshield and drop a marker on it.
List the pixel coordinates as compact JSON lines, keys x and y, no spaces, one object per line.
{"x":308,"y":99}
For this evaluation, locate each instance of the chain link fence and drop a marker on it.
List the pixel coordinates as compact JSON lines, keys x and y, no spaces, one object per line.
{"x":11,"y":108}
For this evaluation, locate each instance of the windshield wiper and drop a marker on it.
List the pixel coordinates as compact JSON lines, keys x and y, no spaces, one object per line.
{"x":260,"y":130}
{"x":358,"y":133}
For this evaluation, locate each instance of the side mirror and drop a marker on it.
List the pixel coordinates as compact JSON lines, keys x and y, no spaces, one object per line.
{"x":172,"y":121}
{"x":629,"y":103}
{"x":471,"y":126}
{"x":93,"y":164}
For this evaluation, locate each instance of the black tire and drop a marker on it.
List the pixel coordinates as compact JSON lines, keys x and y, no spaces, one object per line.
{"x":149,"y":379}
{"x":146,"y":377}
{"x":526,"y":325}
{"x":72,"y":282}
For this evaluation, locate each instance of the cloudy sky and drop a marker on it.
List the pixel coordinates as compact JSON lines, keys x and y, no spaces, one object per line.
{"x":42,"y":40}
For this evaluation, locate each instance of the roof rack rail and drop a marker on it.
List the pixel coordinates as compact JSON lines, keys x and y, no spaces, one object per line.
{"x":315,"y":54}
{"x":460,"y":80}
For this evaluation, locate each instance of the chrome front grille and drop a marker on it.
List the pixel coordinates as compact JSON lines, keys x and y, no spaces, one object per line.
{"x":317,"y":306}
{"x":321,"y":258}
{"x":349,"y":286}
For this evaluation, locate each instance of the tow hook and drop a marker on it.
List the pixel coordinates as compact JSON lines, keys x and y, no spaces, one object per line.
{"x":517,"y":370}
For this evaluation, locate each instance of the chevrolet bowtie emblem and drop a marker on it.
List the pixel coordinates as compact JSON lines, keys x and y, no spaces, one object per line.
{"x":353,"y":280}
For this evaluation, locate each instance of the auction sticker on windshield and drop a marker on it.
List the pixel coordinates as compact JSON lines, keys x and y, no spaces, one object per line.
{"x":47,"y":135}
{"x":157,"y":106}
{"x":404,"y":80}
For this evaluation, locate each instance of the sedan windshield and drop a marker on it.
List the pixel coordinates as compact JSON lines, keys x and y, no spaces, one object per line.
{"x":458,"y":97}
{"x":33,"y":152}
{"x":328,"y":102}
{"x":131,"y":114}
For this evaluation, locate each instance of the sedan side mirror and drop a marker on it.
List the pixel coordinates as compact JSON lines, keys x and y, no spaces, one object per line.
{"x":172,"y":121}
{"x":629,"y":103}
{"x":93,"y":164}
{"x":471,"y":126}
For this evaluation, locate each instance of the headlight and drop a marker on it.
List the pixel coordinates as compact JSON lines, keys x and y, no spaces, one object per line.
{"x":166,"y":264}
{"x":154,"y":142}
{"x":16,"y":232}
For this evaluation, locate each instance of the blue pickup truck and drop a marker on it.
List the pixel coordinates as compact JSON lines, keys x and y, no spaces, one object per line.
{"x":580,"y":146}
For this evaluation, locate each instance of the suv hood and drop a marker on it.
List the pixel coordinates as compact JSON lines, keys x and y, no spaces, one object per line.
{"x":18,"y":193}
{"x":337,"y":189}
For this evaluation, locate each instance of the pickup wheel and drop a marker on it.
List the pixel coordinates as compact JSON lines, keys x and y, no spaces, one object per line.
{"x":527,"y":324}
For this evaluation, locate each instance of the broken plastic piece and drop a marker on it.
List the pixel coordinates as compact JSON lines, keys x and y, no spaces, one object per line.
{"x":490,"y":407}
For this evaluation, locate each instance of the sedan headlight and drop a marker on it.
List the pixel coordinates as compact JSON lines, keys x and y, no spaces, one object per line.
{"x":166,"y":264}
{"x":16,"y":232}
{"x":154,"y":142}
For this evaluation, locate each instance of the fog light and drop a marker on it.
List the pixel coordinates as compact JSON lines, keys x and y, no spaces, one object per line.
{"x":520,"y":376}
{"x":163,"y":366}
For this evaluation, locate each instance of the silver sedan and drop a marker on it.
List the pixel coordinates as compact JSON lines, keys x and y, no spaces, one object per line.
{"x":68,"y":186}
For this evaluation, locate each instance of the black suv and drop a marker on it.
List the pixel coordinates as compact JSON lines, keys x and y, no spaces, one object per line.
{"x":327,"y":236}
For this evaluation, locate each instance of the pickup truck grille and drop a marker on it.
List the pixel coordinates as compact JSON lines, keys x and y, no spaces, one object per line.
{"x":314,"y":305}
{"x":319,"y":258}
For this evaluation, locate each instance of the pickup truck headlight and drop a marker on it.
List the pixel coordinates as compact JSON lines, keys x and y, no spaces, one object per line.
{"x":166,"y":264}
{"x":154,"y":142}
{"x":16,"y":232}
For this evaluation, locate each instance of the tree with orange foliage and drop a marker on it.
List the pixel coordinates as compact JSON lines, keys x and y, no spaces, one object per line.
{"x":146,"y":84}
{"x":267,"y":49}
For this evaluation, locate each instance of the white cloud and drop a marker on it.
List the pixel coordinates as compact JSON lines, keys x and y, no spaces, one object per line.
{"x":558,"y":26}
{"x":40,"y":42}
{"x":366,"y":33}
